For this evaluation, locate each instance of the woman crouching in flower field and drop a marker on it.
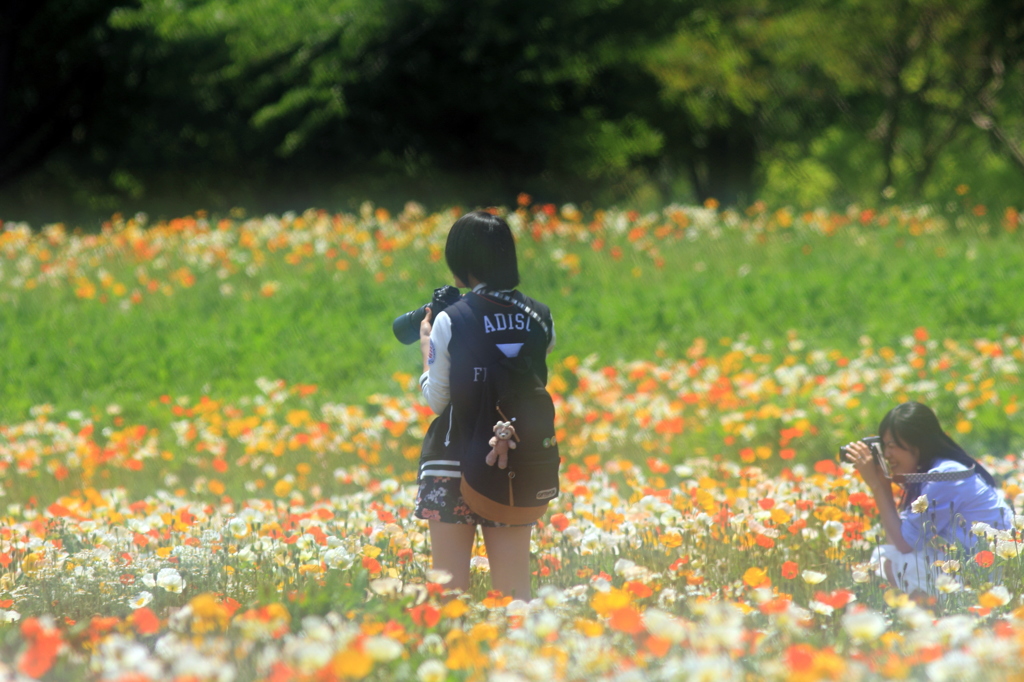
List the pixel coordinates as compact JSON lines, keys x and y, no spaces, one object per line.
{"x":945,"y":492}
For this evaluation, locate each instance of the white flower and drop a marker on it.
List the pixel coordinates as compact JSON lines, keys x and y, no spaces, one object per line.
{"x":920,"y":505}
{"x":545,"y":624}
{"x":170,"y":580}
{"x":480,"y":563}
{"x":861,"y":573}
{"x":439,"y":576}
{"x":551,"y":595}
{"x":812,"y":577}
{"x":382,"y":649}
{"x":432,"y":670}
{"x":432,"y":645}
{"x":141,"y":599}
{"x":386,"y":587}
{"x":821,"y":608}
{"x":9,"y":616}
{"x":337,"y":558}
{"x":623,"y":566}
{"x":664,"y":625}
{"x":1007,"y":549}
{"x":864,"y":625}
{"x":982,"y":529}
{"x":238,"y":527}
{"x":955,"y":665}
{"x":954,"y":630}
{"x":999,"y":594}
{"x":417,"y":592}
{"x":311,"y":656}
{"x":947,"y":584}
{"x":951,"y":566}
{"x":833,"y":531}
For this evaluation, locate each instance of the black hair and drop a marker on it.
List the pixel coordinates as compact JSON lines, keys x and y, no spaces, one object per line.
{"x":915,"y":424}
{"x":481,"y":244}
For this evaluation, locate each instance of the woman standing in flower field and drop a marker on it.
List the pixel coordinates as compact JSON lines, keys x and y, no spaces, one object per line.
{"x":480,"y":252}
{"x":945,"y":492}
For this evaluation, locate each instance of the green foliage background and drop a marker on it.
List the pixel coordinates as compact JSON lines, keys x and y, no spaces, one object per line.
{"x":117,"y":105}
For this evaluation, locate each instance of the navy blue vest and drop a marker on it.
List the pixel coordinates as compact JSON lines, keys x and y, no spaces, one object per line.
{"x":484,"y":330}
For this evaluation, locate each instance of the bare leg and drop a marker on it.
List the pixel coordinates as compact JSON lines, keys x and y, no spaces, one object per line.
{"x":508,"y":552}
{"x":451,"y":546}
{"x":890,"y":573}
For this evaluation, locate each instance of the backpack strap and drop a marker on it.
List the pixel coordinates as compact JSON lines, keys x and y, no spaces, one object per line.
{"x":502,"y":296}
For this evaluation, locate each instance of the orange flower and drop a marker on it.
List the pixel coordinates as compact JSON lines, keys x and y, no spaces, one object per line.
{"x":790,"y":570}
{"x":145,"y":621}
{"x":560,"y":522}
{"x":984,"y":558}
{"x":626,"y":620}
{"x":837,"y":599}
{"x":640,"y":590}
{"x":44,"y":645}
{"x":425,"y":615}
{"x":495,"y":599}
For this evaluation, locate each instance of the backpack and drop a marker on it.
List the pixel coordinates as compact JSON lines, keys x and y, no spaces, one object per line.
{"x":520,"y":493}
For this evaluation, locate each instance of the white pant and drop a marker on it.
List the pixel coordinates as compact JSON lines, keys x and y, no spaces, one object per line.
{"x":914,"y":571}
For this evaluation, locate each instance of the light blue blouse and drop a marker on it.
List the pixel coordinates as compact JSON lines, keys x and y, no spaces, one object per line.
{"x":953,"y":507}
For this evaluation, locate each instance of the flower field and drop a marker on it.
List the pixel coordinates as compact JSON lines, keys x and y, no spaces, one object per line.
{"x":172,"y":512}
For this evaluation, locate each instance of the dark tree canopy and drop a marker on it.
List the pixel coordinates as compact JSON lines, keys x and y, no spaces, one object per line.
{"x":115,"y":103}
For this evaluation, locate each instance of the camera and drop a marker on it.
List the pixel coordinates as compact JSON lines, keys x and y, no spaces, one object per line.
{"x":407,"y":325}
{"x":874,"y":443}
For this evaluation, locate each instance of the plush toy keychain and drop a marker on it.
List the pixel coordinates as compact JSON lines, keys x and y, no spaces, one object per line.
{"x":501,"y":442}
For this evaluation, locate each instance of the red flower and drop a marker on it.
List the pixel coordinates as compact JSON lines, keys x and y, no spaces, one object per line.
{"x":44,"y":645}
{"x":790,"y":570}
{"x":425,"y":615}
{"x":640,"y":590}
{"x":984,"y":558}
{"x":145,"y":621}
{"x":560,"y":522}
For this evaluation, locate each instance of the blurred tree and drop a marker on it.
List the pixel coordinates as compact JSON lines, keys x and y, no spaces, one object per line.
{"x":757,"y":80}
{"x":506,"y":88}
{"x":919,"y":74}
{"x":55,"y":61}
{"x":222,"y":101}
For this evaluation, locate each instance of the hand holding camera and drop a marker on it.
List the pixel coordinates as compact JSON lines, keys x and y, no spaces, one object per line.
{"x":407,"y":325}
{"x":866,"y":456}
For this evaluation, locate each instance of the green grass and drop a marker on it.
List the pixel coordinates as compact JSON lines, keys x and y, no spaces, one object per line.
{"x":333,"y":328}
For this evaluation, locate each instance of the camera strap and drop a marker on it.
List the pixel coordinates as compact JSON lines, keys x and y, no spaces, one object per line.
{"x":937,"y":476}
{"x":502,"y":296}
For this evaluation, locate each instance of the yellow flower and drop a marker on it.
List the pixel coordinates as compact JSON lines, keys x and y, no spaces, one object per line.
{"x":454,"y":609}
{"x":483,"y":632}
{"x":208,"y":615}
{"x":590,"y":628}
{"x":755,"y":577}
{"x":606,"y":602}
{"x":351,"y":664}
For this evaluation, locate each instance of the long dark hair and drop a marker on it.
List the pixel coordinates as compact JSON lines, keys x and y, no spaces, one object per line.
{"x":914,"y":424}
